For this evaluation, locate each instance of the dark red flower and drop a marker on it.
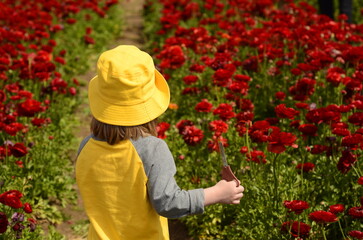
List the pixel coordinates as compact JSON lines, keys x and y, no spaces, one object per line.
{"x":353,"y":141}
{"x":182,"y":124}
{"x":204,"y":106}
{"x":346,"y":161}
{"x":296,"y":229}
{"x":218,"y":127}
{"x":308,"y":129}
{"x":190,"y":79}
{"x":192,"y":135}
{"x":356,"y":234}
{"x":323,"y":217}
{"x":171,"y":57}
{"x":278,"y":140}
{"x":306,"y":167}
{"x":337,"y":208}
{"x":296,"y":206}
{"x":317,"y":149}
{"x":3,"y":222}
{"x":161,"y":128}
{"x":280,"y":95}
{"x":18,"y":150}
{"x":224,"y":111}
{"x":356,"y":212}
{"x":29,"y":108}
{"x":356,"y":119}
{"x":303,"y":89}
{"x":27,"y":208}
{"x":88,"y":40}
{"x":284,"y":112}
{"x":12,"y":198}
{"x":256,"y":156}
{"x":360,"y":180}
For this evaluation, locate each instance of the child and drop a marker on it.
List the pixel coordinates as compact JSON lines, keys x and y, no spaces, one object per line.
{"x":125,"y":174}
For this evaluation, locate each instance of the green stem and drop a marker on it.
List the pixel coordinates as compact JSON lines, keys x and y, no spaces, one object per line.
{"x":274,"y":170}
{"x":323,"y":230}
{"x":341,"y":229}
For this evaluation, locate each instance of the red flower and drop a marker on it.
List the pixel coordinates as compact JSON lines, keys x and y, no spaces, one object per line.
{"x":192,"y":135}
{"x":27,"y":208}
{"x":224,"y":111}
{"x":3,"y":222}
{"x":303,"y":89}
{"x":11,"y":198}
{"x":356,"y":212}
{"x":306,"y":167}
{"x":171,"y":57}
{"x":296,"y":229}
{"x":297,"y":206}
{"x":323,"y":217}
{"x":346,"y":161}
{"x":284,"y":112}
{"x":278,"y":140}
{"x":353,"y":141}
{"x":88,"y":39}
{"x":360,"y":180}
{"x":337,"y":208}
{"x":308,"y":129}
{"x":29,"y":107}
{"x":18,"y":150}
{"x":204,"y":106}
{"x":356,"y":119}
{"x":317,"y":149}
{"x":182,"y":124}
{"x":161,"y":128}
{"x":218,"y":126}
{"x":190,"y":79}
{"x":256,"y":156}
{"x":356,"y":234}
{"x":280,"y":95}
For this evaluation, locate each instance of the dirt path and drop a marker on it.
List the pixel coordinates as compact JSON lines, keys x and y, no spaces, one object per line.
{"x":76,"y":227}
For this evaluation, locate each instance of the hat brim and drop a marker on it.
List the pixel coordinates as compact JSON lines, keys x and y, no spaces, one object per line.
{"x":130,"y":115}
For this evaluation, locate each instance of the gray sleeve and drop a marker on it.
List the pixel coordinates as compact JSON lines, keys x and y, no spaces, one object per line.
{"x":164,"y":193}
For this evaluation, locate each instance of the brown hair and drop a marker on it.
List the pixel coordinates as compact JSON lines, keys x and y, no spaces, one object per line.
{"x":113,"y":134}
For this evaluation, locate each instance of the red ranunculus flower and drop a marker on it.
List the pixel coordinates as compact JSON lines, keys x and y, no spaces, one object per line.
{"x":353,"y":141}
{"x":218,"y":127}
{"x":224,"y":111}
{"x":337,"y":208}
{"x":182,"y":124}
{"x":346,"y":161}
{"x":29,"y":107}
{"x":192,"y":135}
{"x":171,"y":57}
{"x":296,"y":206}
{"x":278,"y":140}
{"x":317,"y":149}
{"x":323,"y":217}
{"x":204,"y":106}
{"x":190,"y":79}
{"x":306,"y":167}
{"x":256,"y":156}
{"x":296,"y":229}
{"x":308,"y":129}
{"x":3,"y":222}
{"x":12,"y":198}
{"x":284,"y":112}
{"x":161,"y":128}
{"x":356,"y":118}
{"x":280,"y":95}
{"x":360,"y":180}
{"x":356,"y":212}
{"x":18,"y":150}
{"x":356,"y":234}
{"x":27,"y":208}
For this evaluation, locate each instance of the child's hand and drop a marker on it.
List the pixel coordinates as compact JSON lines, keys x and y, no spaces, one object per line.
{"x":223,"y":192}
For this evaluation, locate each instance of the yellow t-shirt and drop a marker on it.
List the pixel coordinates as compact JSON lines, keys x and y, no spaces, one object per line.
{"x":112,"y":183}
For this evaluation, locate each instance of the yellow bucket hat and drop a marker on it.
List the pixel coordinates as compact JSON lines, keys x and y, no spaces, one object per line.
{"x":128,"y":90}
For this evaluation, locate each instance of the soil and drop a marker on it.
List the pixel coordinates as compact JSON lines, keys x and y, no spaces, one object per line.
{"x":75,"y":228}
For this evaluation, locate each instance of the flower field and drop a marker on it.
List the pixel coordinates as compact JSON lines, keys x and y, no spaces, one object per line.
{"x":281,"y":87}
{"x":44,"y":46}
